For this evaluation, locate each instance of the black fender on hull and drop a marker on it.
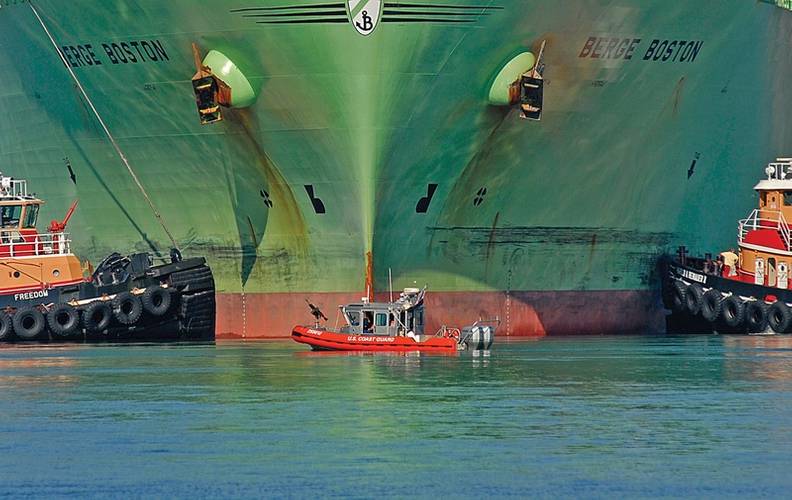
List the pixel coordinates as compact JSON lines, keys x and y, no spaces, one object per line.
{"x":704,"y":302}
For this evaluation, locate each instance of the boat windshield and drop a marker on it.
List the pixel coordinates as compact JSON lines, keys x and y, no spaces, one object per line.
{"x":31,"y":215}
{"x":9,"y":215}
{"x":353,"y":317}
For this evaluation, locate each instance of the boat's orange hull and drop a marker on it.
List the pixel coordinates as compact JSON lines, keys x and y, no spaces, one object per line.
{"x":332,"y":341}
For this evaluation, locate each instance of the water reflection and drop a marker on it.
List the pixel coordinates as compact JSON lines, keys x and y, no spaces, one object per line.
{"x":759,"y":357}
{"x":383,"y":354}
{"x":631,"y":416}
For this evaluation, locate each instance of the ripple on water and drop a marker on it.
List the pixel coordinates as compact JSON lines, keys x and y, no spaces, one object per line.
{"x":604,"y":416}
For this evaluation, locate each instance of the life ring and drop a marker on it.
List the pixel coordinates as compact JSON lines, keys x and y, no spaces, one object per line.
{"x":756,"y":316}
{"x":6,"y":326}
{"x":711,"y":305}
{"x":156,"y":300}
{"x":96,"y":316}
{"x":732,"y":311}
{"x":679,"y":292}
{"x":28,"y":323}
{"x":779,"y":317}
{"x":693,"y":299}
{"x":127,"y":308}
{"x":63,"y":320}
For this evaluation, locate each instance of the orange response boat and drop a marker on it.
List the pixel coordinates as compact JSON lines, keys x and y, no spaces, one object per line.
{"x":328,"y":340}
{"x":391,"y":326}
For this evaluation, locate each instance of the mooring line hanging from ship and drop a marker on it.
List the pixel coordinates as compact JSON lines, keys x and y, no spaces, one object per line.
{"x":118,"y":150}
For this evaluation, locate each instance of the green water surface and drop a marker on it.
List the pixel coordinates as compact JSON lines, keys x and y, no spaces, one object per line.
{"x":699,"y":416}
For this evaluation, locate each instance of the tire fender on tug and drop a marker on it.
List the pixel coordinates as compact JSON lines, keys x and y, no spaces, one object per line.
{"x":779,"y":317}
{"x":678,"y":300}
{"x":756,"y":316}
{"x":97,"y":316}
{"x":711,"y":305}
{"x":28,"y":323}
{"x":63,"y":320}
{"x":693,"y":299}
{"x":156,"y":300}
{"x":127,"y":308}
{"x":6,"y":326}
{"x":732,"y":311}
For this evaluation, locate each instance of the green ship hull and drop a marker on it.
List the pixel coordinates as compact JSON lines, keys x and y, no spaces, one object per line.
{"x":364,"y":157}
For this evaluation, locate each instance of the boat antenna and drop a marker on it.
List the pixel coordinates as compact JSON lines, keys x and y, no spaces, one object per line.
{"x":390,"y":284}
{"x":106,"y":130}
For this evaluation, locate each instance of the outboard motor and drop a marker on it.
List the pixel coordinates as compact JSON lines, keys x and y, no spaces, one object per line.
{"x":479,"y":336}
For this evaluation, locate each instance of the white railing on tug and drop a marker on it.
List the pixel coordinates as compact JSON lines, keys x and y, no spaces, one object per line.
{"x":755,"y":221}
{"x":12,"y":188}
{"x":781,"y":169}
{"x":39,"y":245}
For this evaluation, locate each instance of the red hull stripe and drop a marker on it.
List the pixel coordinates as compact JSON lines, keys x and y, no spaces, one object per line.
{"x":522,"y":313}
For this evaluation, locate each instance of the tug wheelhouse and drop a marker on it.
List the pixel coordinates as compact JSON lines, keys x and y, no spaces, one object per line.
{"x":30,"y":260}
{"x":744,"y":291}
{"x":765,"y":247}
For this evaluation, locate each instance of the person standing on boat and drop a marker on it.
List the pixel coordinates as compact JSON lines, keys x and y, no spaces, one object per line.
{"x":729,"y":262}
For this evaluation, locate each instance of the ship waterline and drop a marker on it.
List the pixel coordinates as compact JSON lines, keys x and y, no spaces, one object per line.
{"x":384,"y":144}
{"x":519,"y":314}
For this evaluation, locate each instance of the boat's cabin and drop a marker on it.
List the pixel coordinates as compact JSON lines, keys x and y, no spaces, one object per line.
{"x":19,"y":212}
{"x":18,"y":217}
{"x":29,"y":258}
{"x":765,"y":246}
{"x":402,"y":317}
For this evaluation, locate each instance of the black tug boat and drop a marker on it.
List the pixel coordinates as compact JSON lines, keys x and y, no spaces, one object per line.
{"x":748,"y":291}
{"x":44,"y":296}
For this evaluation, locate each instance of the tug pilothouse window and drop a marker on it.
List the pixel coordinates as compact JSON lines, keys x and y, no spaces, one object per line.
{"x":9,"y":215}
{"x":31,"y":216}
{"x":788,"y":198}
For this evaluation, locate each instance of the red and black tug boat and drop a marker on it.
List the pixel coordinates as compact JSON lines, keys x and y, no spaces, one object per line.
{"x":395,"y":326}
{"x":748,"y":291}
{"x":44,"y":295}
